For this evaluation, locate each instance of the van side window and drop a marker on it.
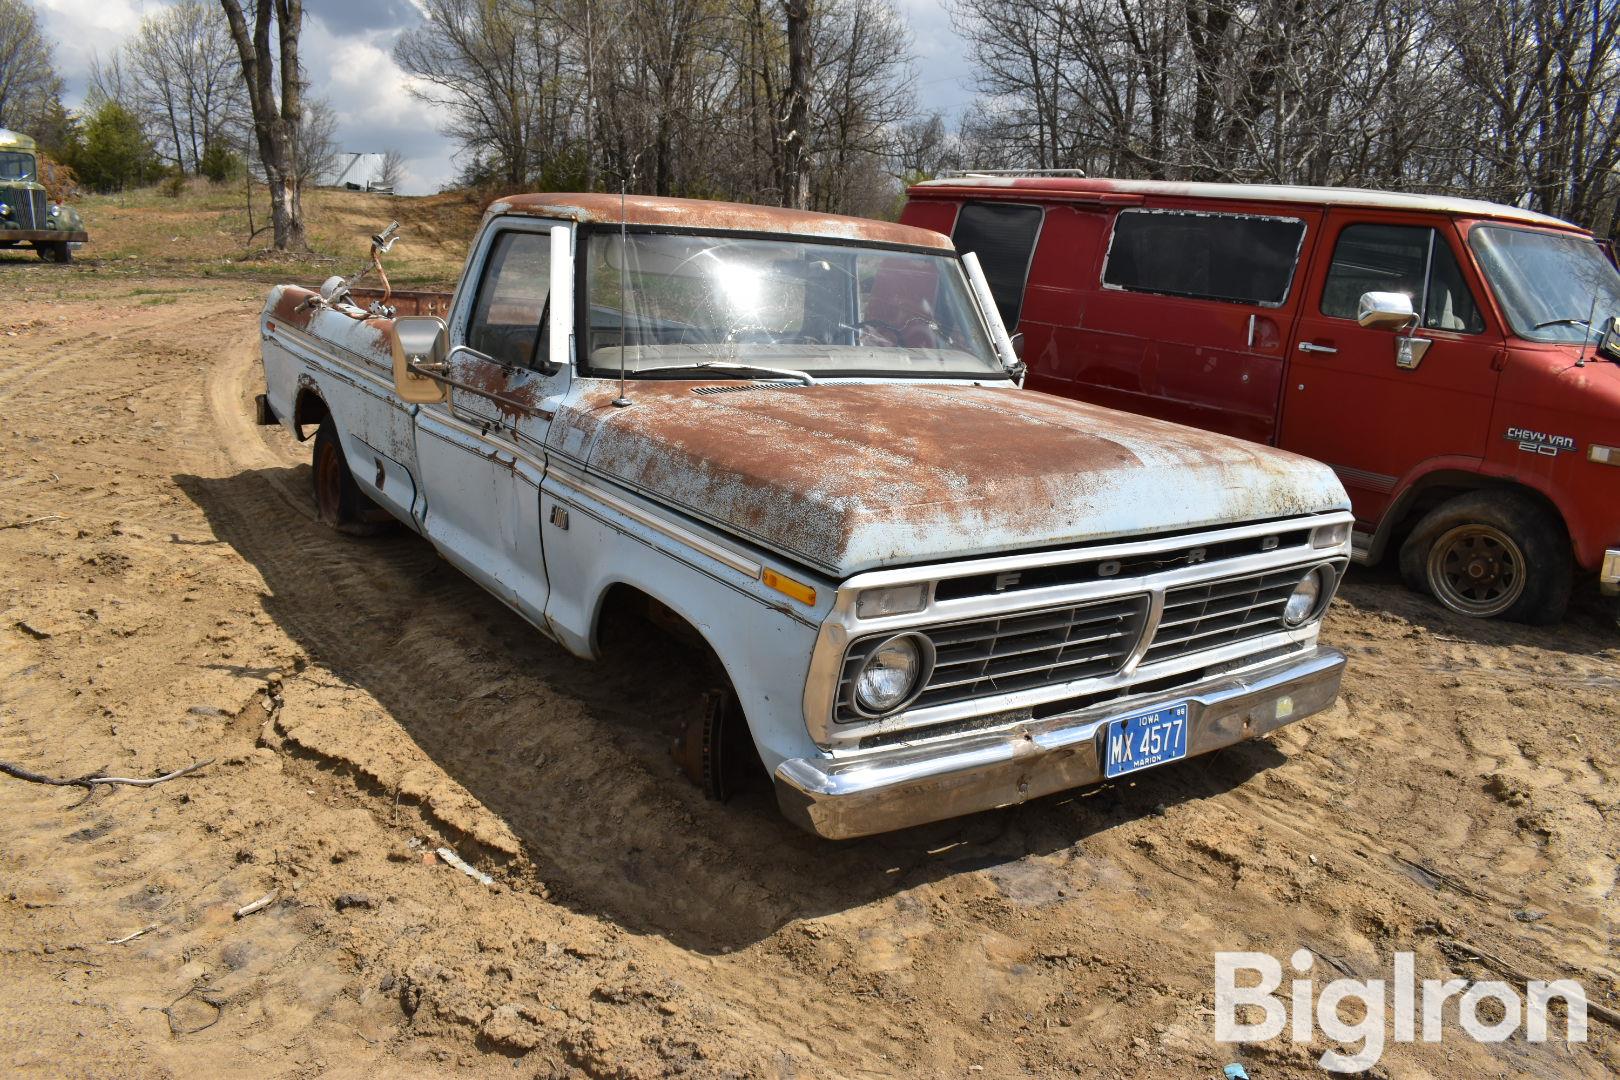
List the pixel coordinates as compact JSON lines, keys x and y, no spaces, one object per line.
{"x":1409,"y":259}
{"x":1003,"y":236}
{"x":509,"y":318}
{"x":1233,"y":257}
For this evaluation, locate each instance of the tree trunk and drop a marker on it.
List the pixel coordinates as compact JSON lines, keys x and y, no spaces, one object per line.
{"x":795,"y":157}
{"x":275,"y":124}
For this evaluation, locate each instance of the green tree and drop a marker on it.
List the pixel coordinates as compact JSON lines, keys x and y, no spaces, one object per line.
{"x":115,"y":153}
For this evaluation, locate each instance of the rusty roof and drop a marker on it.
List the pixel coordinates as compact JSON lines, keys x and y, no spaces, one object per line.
{"x":726,"y":216}
{"x":1125,"y":192}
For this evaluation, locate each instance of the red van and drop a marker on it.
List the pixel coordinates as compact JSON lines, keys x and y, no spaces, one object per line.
{"x":1456,"y":362}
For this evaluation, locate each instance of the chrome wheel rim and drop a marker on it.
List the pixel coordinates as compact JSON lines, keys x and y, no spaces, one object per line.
{"x":1477,"y":570}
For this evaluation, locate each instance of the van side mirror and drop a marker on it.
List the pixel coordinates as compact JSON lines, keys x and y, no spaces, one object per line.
{"x":420,"y":343}
{"x":1385,"y":311}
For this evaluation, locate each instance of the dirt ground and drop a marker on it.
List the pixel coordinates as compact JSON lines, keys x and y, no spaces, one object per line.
{"x":166,"y":597}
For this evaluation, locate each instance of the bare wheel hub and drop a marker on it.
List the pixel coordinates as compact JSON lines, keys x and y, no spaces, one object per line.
{"x":1477,"y":570}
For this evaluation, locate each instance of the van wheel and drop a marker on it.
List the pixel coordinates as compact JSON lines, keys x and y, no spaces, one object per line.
{"x":57,"y":252}
{"x":1491,"y":554}
{"x":338,"y":498}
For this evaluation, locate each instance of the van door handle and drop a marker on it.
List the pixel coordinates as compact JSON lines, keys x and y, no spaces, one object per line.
{"x":1311,"y":346}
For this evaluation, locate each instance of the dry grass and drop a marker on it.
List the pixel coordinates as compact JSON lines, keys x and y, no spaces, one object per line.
{"x":204,"y":232}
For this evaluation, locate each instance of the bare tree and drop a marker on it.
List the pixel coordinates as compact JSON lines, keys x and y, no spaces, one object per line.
{"x":391,"y":174}
{"x":276,"y":117}
{"x":185,"y":81}
{"x":316,"y":149}
{"x":28,"y":80}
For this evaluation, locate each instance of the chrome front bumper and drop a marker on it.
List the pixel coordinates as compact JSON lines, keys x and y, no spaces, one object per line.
{"x":910,"y":785}
{"x":1609,"y":578}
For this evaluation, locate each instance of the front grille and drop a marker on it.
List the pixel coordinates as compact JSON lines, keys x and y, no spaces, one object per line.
{"x":1198,"y":617}
{"x":1016,"y":652}
{"x":30,"y":208}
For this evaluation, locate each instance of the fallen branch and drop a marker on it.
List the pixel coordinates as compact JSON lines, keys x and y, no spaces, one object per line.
{"x":258,"y":905}
{"x":91,"y":781}
{"x":1502,"y":967}
{"x":31,"y":521}
{"x":132,"y":937}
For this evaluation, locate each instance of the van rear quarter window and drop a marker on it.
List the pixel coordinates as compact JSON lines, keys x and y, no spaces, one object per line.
{"x":1003,"y":236}
{"x":1233,"y":257}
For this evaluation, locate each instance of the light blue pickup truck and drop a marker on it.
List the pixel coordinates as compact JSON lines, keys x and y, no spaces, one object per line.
{"x":800,"y":441}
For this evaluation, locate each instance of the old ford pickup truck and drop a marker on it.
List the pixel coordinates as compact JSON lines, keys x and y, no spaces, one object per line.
{"x":801,"y":440}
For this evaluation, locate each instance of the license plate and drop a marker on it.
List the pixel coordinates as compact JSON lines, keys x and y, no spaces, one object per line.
{"x":1145,"y":740}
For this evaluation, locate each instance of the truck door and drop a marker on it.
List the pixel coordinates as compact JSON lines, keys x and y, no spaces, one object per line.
{"x":481,"y":450}
{"x":1366,"y":402}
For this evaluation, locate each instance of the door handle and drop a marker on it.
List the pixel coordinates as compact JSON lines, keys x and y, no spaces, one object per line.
{"x":1311,"y":346}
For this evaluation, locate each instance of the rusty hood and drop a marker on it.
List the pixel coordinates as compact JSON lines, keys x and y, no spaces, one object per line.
{"x":850,"y":477}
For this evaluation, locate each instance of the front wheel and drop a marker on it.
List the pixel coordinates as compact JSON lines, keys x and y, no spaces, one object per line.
{"x":57,"y":252}
{"x":1491,"y":554}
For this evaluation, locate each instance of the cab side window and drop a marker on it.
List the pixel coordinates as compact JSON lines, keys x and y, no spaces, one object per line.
{"x":509,"y":318}
{"x":1415,"y":260}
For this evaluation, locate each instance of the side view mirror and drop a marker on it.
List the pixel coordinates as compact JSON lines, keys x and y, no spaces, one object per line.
{"x":1018,"y":344}
{"x":1610,"y":342}
{"x":1385,"y":311}
{"x":419,"y":342}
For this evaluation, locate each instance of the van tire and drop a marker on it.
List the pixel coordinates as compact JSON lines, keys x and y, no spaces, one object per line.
{"x":56,"y":252}
{"x":1491,"y":554}
{"x":338,"y":499}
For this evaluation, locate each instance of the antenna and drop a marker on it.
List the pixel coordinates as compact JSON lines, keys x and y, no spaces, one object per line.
{"x":1586,"y":339}
{"x":624,"y":268}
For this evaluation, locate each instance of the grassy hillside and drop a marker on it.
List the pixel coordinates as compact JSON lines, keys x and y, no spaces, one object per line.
{"x":204,"y":231}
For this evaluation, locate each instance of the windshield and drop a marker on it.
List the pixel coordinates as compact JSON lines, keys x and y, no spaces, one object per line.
{"x":1546,"y":282}
{"x":16,"y":166}
{"x":823,"y":309}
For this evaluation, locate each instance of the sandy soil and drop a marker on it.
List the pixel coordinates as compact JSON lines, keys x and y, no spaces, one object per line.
{"x":364,"y":704}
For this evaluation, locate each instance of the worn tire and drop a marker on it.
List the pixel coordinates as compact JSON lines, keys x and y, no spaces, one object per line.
{"x":338,"y":499}
{"x":58,"y":252}
{"x":1491,"y":554}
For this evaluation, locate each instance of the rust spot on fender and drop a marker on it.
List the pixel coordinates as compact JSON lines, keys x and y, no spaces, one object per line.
{"x":292,"y":306}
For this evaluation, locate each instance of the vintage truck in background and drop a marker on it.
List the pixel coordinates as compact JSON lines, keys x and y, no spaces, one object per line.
{"x":800,"y":441}
{"x":27,"y":213}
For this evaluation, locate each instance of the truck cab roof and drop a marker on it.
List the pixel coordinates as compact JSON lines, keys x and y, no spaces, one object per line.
{"x":709,"y":216}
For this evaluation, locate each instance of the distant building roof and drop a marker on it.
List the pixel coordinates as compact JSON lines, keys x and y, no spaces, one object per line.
{"x":1060,"y":186}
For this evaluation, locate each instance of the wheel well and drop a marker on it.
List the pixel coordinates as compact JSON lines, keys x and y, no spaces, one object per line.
{"x":1438,"y":488}
{"x":309,"y":409}
{"x":626,"y":613}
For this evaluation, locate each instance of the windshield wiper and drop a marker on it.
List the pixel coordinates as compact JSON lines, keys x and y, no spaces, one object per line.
{"x":1563,"y":322}
{"x":722,"y":365}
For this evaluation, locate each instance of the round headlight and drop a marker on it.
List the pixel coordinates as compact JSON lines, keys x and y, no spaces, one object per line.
{"x":1306,"y":596}
{"x":56,"y":211}
{"x":892,"y":673}
{"x":5,"y":211}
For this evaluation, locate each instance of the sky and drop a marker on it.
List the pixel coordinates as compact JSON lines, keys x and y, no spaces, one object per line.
{"x":347,"y":51}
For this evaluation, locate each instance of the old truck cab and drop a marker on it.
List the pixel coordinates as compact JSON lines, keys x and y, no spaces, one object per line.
{"x":28,"y":215}
{"x":800,"y":441}
{"x":1455,"y":361}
